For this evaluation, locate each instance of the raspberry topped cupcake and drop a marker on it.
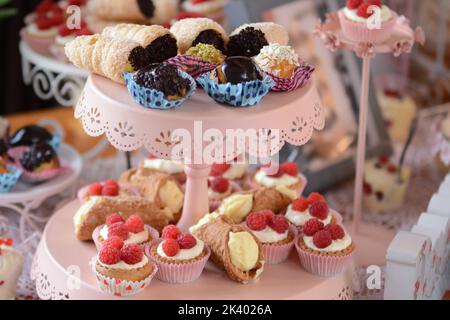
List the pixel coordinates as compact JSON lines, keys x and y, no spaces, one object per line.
{"x":171,"y":167}
{"x":180,"y":257}
{"x":123,"y":269}
{"x":274,"y":233}
{"x":287,"y":175}
{"x":303,"y":209}
{"x":131,"y":231}
{"x":234,"y":171}
{"x":324,"y":250}
{"x":367,"y":21}
{"x":108,"y":188}
{"x":219,"y":189}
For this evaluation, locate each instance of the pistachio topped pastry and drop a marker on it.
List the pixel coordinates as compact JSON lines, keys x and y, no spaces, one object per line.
{"x":206,"y":52}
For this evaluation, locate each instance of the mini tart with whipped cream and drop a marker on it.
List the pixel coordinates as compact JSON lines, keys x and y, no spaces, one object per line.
{"x":303,"y":209}
{"x":287,"y":175}
{"x":359,"y":19}
{"x":130,"y":231}
{"x":180,"y":257}
{"x":233,"y":171}
{"x":108,"y":188}
{"x":123,"y":269}
{"x":324,"y":250}
{"x":277,"y":60}
{"x":170,"y":167}
{"x":274,"y":233}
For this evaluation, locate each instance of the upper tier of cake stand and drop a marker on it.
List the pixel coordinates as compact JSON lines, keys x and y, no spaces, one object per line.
{"x":107,"y":108}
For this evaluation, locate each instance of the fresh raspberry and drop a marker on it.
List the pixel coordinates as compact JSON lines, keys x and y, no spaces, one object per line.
{"x":256,"y":221}
{"x":322,"y":239}
{"x":64,"y":30}
{"x":198,"y":1}
{"x":290,"y":168}
{"x":312,"y":226}
{"x":109,"y":255}
{"x":135,"y":224}
{"x":44,"y":6}
{"x":319,"y":210}
{"x":186,"y":241}
{"x":363,"y":10}
{"x":269,"y":171}
{"x":111,"y":182}
{"x":77,"y":2}
{"x":85,"y":31}
{"x":268,"y":214}
{"x":56,"y":19}
{"x":44,"y":24}
{"x":336,"y":231}
{"x":367,"y":188}
{"x":354,"y":4}
{"x":152,"y":156}
{"x":314,"y":197}
{"x":300,"y":204}
{"x":383,"y":159}
{"x":185,"y":15}
{"x":110,"y":190}
{"x":279,"y":223}
{"x":220,"y":185}
{"x":118,"y":229}
{"x":378,"y":3}
{"x":131,"y":253}
{"x":95,"y":189}
{"x":217,"y":169}
{"x":114,"y":218}
{"x":392,"y":168}
{"x":114,"y":242}
{"x":170,"y":232}
{"x":170,"y":247}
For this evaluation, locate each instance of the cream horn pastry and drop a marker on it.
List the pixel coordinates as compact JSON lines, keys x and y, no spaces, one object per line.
{"x":106,"y":56}
{"x":157,"y":187}
{"x":248,"y":39}
{"x":157,"y":40}
{"x":192,"y":31}
{"x":146,"y":11}
{"x":233,"y":248}
{"x":94,"y":213}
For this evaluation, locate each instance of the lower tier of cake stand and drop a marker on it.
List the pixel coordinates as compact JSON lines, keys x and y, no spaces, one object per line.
{"x":61,"y":270}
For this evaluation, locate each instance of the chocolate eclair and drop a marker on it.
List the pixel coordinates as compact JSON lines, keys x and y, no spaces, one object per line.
{"x":236,"y":70}
{"x":40,"y":157}
{"x":249,"y":39}
{"x":164,"y":78}
{"x":192,"y":31}
{"x":157,"y":40}
{"x":28,"y":135}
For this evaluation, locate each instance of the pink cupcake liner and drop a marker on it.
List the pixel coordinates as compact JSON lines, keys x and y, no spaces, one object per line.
{"x":31,"y":177}
{"x":275,"y":254}
{"x":301,"y":76}
{"x":37,"y":44}
{"x":98,"y":244}
{"x":122,"y":288}
{"x":194,"y":66}
{"x":323,"y":266}
{"x":82,"y":192}
{"x":178,"y":273}
{"x":359,"y":32}
{"x":303,"y":180}
{"x":17,"y":152}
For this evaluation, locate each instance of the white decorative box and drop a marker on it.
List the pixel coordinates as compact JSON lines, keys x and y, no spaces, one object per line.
{"x":406,"y":266}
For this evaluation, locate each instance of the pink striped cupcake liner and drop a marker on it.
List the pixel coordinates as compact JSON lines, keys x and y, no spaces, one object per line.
{"x":122,"y":288}
{"x":323,"y":266}
{"x":300,"y":78}
{"x":177,"y":273}
{"x":359,"y":32}
{"x":275,"y":254}
{"x":98,"y":244}
{"x":194,"y":66}
{"x":32,"y":177}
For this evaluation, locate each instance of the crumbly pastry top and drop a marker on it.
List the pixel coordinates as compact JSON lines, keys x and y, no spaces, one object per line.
{"x":271,"y":55}
{"x":248,"y":42}
{"x":206,"y":52}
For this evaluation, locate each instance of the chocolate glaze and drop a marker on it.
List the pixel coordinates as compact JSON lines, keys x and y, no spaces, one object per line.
{"x":147,"y":8}
{"x":210,"y":37}
{"x":162,"y":48}
{"x":238,"y":70}
{"x":248,"y":42}
{"x":37,"y":155}
{"x":30,"y":134}
{"x":163,"y":77}
{"x":139,"y":58}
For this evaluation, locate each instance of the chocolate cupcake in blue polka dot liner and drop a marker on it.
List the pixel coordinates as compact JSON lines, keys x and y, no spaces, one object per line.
{"x":237,"y":82}
{"x":160,"y":86}
{"x":9,"y":179}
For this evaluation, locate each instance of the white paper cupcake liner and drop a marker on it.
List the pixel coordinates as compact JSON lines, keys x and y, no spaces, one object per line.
{"x":275,"y":254}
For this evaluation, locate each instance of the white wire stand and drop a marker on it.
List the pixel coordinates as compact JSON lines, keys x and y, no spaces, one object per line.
{"x":51,"y":78}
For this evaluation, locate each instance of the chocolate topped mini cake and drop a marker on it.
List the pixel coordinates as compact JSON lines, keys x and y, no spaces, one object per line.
{"x":39,"y":157}
{"x":29,"y":135}
{"x":164,"y":78}
{"x":248,"y":42}
{"x":211,"y":37}
{"x":237,"y":70}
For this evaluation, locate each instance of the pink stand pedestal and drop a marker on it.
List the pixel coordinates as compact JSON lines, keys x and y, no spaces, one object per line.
{"x":61,"y":274}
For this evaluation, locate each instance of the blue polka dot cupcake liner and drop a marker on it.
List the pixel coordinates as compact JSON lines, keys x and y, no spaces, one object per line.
{"x":9,"y":180}
{"x":238,"y":95}
{"x":155,"y":99}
